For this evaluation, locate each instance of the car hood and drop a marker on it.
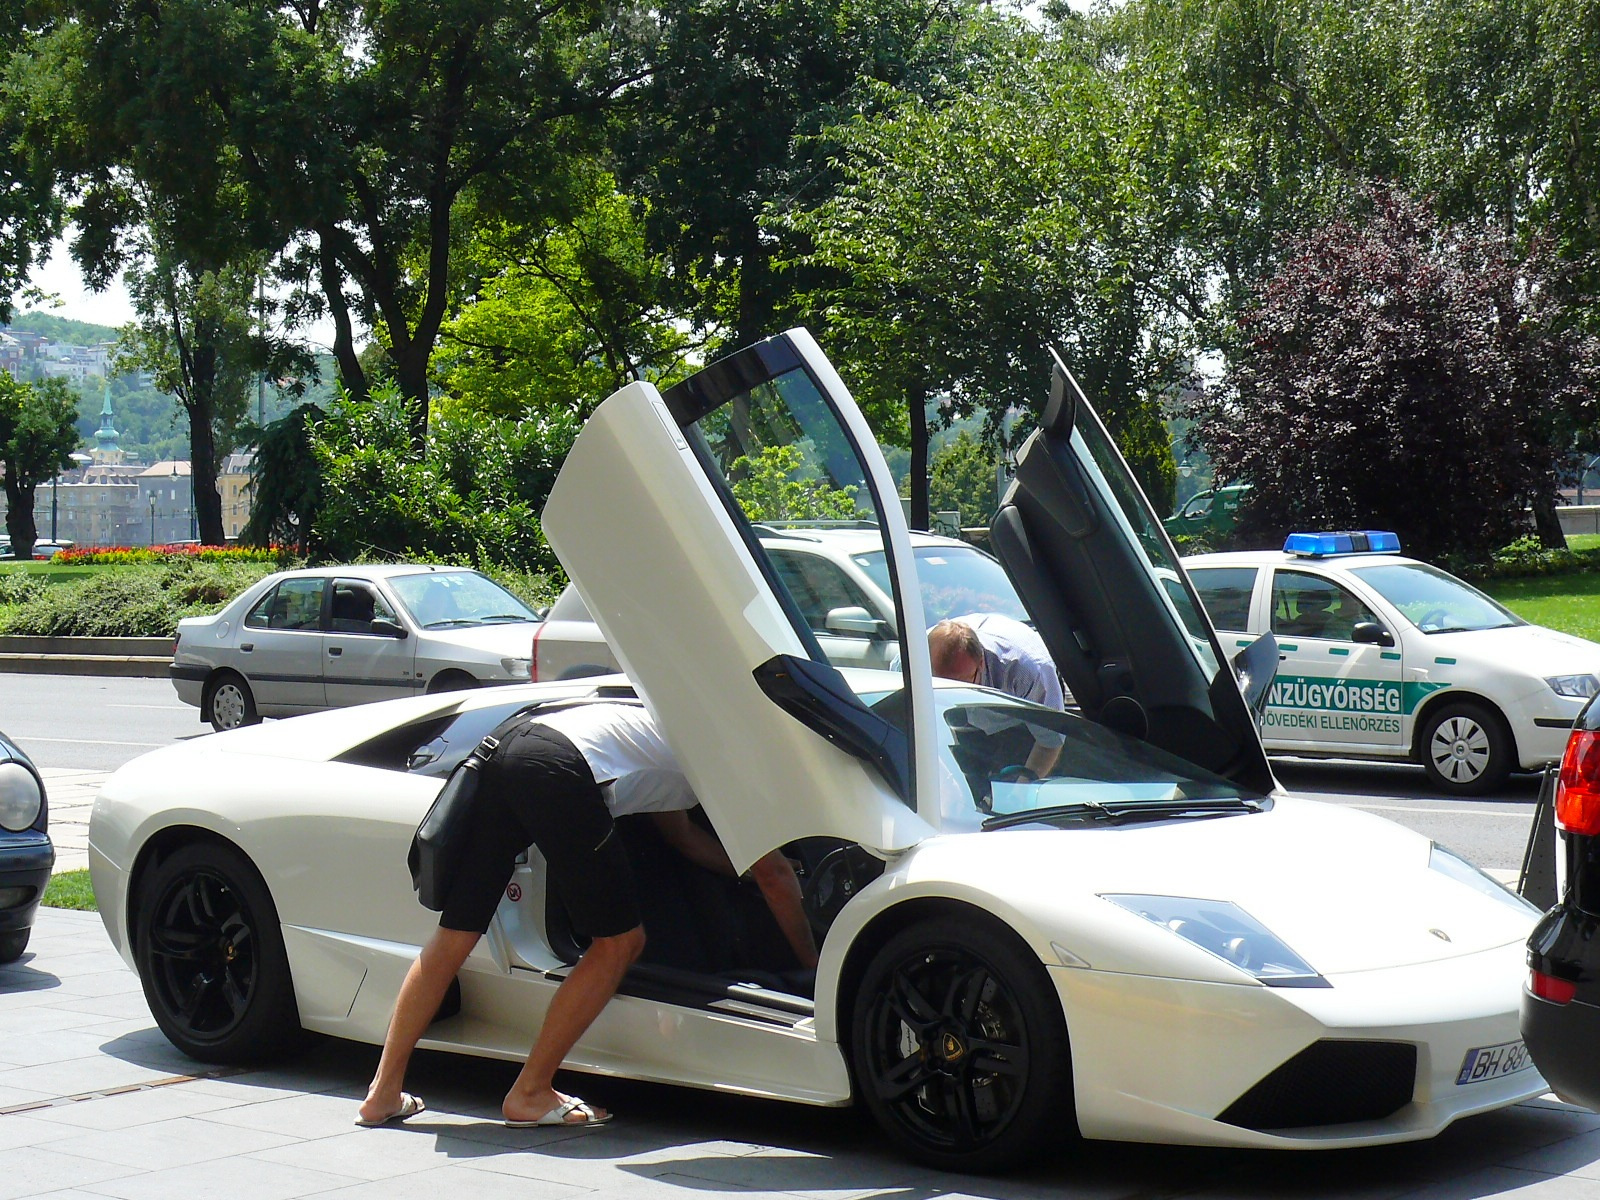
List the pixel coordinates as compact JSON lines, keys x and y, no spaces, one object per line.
{"x":1346,"y":890}
{"x":1532,"y":649}
{"x":513,"y":638}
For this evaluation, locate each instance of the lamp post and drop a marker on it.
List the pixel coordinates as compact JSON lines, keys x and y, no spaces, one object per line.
{"x":194,"y":536}
{"x":152,"y":517}
{"x":78,"y":459}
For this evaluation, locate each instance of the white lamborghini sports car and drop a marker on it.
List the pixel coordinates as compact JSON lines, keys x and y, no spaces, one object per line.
{"x":1150,"y":944}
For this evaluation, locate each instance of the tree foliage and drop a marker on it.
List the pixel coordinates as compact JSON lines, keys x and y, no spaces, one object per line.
{"x":37,"y":434}
{"x":472,"y":494}
{"x":1399,"y":374}
{"x":963,"y":479}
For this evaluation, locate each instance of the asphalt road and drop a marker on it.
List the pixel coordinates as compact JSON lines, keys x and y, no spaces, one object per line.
{"x":97,"y":724}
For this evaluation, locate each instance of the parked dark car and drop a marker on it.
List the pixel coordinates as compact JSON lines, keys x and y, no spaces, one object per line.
{"x":26,"y":854}
{"x":1561,"y":1001}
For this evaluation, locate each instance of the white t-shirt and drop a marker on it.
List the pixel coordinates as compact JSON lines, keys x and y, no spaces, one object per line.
{"x":631,"y":761}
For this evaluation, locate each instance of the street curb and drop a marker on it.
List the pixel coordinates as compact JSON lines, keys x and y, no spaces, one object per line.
{"x":143,"y":657}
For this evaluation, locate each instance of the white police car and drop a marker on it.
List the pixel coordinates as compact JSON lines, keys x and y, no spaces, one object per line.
{"x":1390,"y":658}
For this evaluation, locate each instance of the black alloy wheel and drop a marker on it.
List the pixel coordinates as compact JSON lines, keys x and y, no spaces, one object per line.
{"x":959,"y":1046}
{"x":211,"y":956}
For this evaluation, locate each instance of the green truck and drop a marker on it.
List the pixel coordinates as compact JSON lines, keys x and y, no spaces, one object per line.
{"x":1213,"y":511}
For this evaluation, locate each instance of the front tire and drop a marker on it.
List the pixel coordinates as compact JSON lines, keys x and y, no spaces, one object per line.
{"x":13,"y":944}
{"x":211,"y":958}
{"x":1466,"y":748}
{"x":451,"y":681}
{"x":229,"y":703}
{"x":959,"y":1047}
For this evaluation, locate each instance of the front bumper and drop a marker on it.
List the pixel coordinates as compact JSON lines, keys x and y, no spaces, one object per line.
{"x":1167,"y":1060}
{"x":25,"y":863}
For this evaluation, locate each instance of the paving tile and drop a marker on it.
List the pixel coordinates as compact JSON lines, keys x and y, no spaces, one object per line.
{"x":74,"y":1076}
{"x":460,"y":1180}
{"x":394,"y":1150}
{"x":1506,"y":1184}
{"x":127,"y":1110}
{"x":37,"y":1170}
{"x":1578,"y":1156}
{"x":313,"y":1115}
{"x":236,"y":1179}
{"x":25,"y":1129}
{"x":178,"y":1142}
{"x":48,"y":1046}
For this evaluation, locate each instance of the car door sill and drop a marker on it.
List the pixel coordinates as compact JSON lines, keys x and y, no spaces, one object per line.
{"x":691,"y":989}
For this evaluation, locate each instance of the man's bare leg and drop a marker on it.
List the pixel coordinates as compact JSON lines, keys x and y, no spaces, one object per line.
{"x":577,"y":1002}
{"x":414,"y":1009}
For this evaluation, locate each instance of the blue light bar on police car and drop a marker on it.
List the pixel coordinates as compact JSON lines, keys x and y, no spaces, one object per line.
{"x":1347,"y":541}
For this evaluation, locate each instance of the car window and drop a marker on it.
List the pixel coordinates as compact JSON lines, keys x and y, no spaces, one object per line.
{"x":818,"y":587}
{"x":1198,"y":506}
{"x":457,"y":599}
{"x":1310,"y":606}
{"x":355,"y":605}
{"x":1434,"y":601}
{"x":986,"y":736}
{"x":293,"y":604}
{"x":1225,"y":592}
{"x":956,"y":580}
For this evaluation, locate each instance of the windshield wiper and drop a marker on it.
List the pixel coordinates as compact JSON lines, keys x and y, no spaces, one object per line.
{"x":1127,"y":812}
{"x":451,"y":622}
{"x":506,"y":617}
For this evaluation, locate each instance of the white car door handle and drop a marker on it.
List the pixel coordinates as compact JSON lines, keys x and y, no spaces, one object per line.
{"x":335,"y":651}
{"x":246,"y":647}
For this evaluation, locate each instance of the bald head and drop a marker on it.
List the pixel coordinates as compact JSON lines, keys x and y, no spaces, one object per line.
{"x":955,"y":650}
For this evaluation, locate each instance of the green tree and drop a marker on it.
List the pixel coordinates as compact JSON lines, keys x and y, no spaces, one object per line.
{"x":968,"y":237}
{"x":286,"y":485}
{"x":963,"y":479}
{"x":775,"y":485}
{"x":38,"y":432}
{"x":30,"y":205}
{"x":731,"y":124}
{"x":565,"y":314}
{"x":471,"y":494}
{"x":1397,"y":373}
{"x":199,"y":338}
{"x":366,"y":138}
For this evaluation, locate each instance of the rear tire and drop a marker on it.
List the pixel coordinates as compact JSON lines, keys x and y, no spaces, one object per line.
{"x":228,"y":702}
{"x":210,"y":956}
{"x":959,"y":1048}
{"x":1466,"y":748}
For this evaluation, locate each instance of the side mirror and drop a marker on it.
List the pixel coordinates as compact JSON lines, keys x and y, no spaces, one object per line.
{"x":1370,"y":633}
{"x":384,"y":627}
{"x":854,"y":620}
{"x":1255,"y":667}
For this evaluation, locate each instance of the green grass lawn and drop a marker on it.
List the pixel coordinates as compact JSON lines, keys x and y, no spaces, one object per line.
{"x":51,"y":572}
{"x":70,"y":889}
{"x":1583,"y":541}
{"x":1570,"y":603}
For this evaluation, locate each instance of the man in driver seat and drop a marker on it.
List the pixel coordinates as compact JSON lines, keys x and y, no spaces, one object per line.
{"x":556,"y":781}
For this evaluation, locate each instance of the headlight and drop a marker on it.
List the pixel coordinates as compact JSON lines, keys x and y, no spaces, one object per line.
{"x":20,"y":797}
{"x":517,"y":668}
{"x":1227,"y":931}
{"x":1579,"y":687}
{"x":1447,"y":862}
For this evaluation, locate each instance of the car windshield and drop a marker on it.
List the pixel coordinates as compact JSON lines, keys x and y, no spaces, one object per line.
{"x":457,"y":599}
{"x":1433,"y":601}
{"x":956,"y":580}
{"x":985,"y":737}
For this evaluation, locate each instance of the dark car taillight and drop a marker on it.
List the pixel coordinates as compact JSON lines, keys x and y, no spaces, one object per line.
{"x":1578,"y":786}
{"x":1548,"y":987}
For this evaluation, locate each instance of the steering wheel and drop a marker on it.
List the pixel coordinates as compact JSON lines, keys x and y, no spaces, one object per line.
{"x":1434,"y":616}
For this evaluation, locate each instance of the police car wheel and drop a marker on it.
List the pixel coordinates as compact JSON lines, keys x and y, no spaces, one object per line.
{"x":1466,"y":748}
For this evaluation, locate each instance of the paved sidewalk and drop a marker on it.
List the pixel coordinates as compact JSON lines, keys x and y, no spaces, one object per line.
{"x":94,"y":1102}
{"x":71,"y":794}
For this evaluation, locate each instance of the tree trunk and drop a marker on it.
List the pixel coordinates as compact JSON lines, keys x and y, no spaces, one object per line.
{"x":1547,"y":523}
{"x":411,"y":373}
{"x":19,"y":518}
{"x":344,"y":342}
{"x":917,"y":400}
{"x":207,"y":500}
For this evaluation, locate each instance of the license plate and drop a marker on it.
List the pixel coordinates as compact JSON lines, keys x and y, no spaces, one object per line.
{"x":1492,"y":1062}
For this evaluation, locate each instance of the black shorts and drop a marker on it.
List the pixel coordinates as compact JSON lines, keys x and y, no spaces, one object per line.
{"x":537,"y":790}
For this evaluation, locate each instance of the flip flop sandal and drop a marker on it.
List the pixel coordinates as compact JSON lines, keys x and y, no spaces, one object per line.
{"x":559,"y":1114}
{"x":410,"y":1106}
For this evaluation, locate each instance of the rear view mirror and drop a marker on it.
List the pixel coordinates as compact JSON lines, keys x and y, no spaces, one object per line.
{"x":1370,"y":633}
{"x":384,"y":627}
{"x":854,"y":620}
